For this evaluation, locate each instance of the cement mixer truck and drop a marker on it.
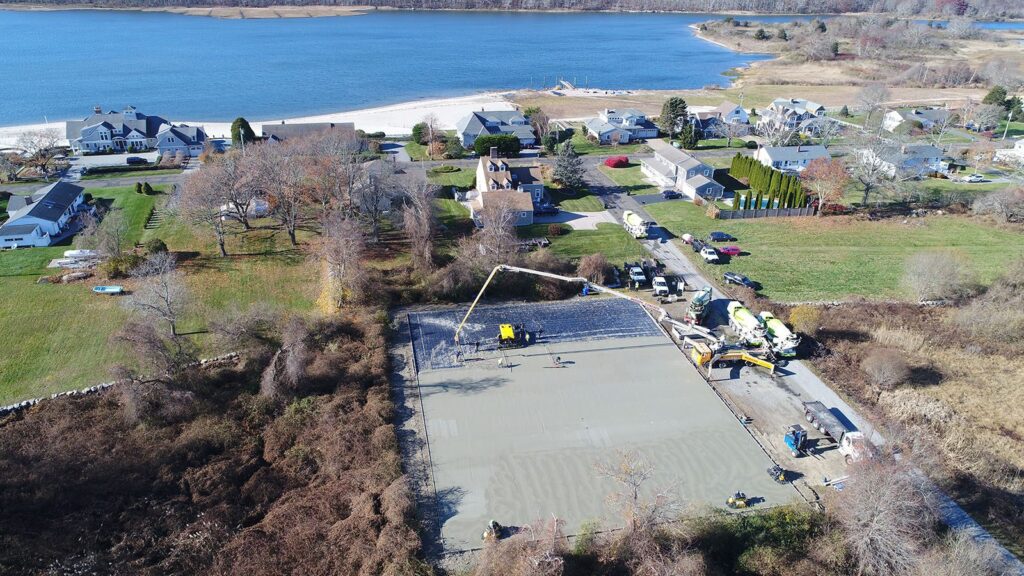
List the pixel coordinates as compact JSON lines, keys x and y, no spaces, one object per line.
{"x":781,"y":339}
{"x":745,"y":324}
{"x":634,"y":224}
{"x":698,"y":307}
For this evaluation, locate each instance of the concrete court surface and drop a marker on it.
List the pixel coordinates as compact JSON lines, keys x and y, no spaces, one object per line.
{"x":519,"y":443}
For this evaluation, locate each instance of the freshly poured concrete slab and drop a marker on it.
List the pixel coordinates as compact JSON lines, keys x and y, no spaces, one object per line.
{"x":519,"y":442}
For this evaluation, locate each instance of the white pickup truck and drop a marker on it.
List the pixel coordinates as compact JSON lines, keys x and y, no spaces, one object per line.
{"x":709,"y":254}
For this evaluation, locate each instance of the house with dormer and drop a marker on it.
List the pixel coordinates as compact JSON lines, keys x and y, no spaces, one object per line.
{"x":711,"y":123}
{"x":43,"y":217}
{"x":621,"y":126}
{"x":486,"y":123}
{"x":671,"y":167}
{"x":113,"y":132}
{"x":496,"y":181}
{"x":189,"y":140}
{"x":795,"y":114}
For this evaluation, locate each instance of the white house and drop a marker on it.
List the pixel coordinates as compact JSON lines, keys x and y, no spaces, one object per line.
{"x":1013,"y":155}
{"x":710,"y":123}
{"x":39,"y":219}
{"x":520,"y":186}
{"x":677,"y":169}
{"x":790,"y":158}
{"x":912,"y":160}
{"x":620,"y":126}
{"x":928,"y":118}
{"x":486,"y":123}
{"x":790,"y":114}
{"x":189,"y":140}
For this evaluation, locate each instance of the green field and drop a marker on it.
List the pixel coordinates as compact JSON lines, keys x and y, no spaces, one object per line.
{"x":798,"y":259}
{"x":463,"y":178}
{"x":583,"y":201}
{"x":584,"y":146}
{"x":1016,"y":130}
{"x":718,"y":143}
{"x":58,"y":337}
{"x":609,"y":239}
{"x":630,"y":179}
{"x":140,"y":174}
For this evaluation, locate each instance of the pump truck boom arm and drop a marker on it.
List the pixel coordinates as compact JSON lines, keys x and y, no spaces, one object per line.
{"x":662,"y":315}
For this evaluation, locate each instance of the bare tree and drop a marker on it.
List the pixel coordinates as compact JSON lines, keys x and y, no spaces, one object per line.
{"x":232,"y":182}
{"x":420,"y":222}
{"x":200,"y":204}
{"x":871,"y":98}
{"x":730,"y":130}
{"x":9,"y":166}
{"x":376,"y":194}
{"x":988,"y":115}
{"x":278,"y":173}
{"x":156,"y":354}
{"x":776,"y":133}
{"x":937,"y":276}
{"x":341,"y":251}
{"x":433,"y":127}
{"x":41,"y":146}
{"x":886,"y":367}
{"x":961,"y":553}
{"x":940,"y":128}
{"x":886,"y":517}
{"x":827,"y":179}
{"x":593,"y":267}
{"x":536,"y":550}
{"x":160,"y":293}
{"x":106,"y":233}
{"x":870,"y":162}
{"x":497,"y":239}
{"x":332,"y":169}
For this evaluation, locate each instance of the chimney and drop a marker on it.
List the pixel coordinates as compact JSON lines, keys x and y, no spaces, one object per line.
{"x":97,"y":110}
{"x":494,"y":151}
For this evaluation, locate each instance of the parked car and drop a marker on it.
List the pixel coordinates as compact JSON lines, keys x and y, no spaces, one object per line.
{"x":730,"y":250}
{"x":739,"y":279}
{"x":670,"y":194}
{"x":545,"y":210}
{"x":720,"y":237}
{"x":660,"y":286}
{"x":697,"y":244}
{"x":974,"y":178}
{"x":709,"y":254}
{"x":136,"y":161}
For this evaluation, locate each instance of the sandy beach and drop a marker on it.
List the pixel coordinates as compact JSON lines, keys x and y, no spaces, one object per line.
{"x":395,"y":119}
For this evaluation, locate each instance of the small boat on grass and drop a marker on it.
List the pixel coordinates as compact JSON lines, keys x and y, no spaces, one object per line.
{"x":112,"y":290}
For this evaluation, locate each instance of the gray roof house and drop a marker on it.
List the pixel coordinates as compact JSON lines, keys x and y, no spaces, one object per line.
{"x":124,"y":131}
{"x":283,"y":131}
{"x":673,"y":167}
{"x":40,"y":219}
{"x":912,"y":160}
{"x":789,"y":113}
{"x":927,"y":117}
{"x":485,"y":123}
{"x":790,"y":158}
{"x":620,"y":126}
{"x":189,"y":140}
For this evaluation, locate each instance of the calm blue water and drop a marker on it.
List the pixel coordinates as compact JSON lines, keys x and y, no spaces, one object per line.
{"x":60,"y":64}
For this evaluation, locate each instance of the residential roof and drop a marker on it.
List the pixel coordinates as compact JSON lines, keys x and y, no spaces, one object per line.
{"x":699,"y":180}
{"x":599,"y":126}
{"x":477,"y":123}
{"x":10,"y":229}
{"x":625,"y":112}
{"x":189,"y":135}
{"x":284,"y":131}
{"x":789,"y":153}
{"x":690,"y":162}
{"x":798,"y":105}
{"x":49,"y":203}
{"x":522,"y":201}
{"x":129,"y":118}
{"x":930,"y":114}
{"x":725,"y":107}
{"x":922,"y":151}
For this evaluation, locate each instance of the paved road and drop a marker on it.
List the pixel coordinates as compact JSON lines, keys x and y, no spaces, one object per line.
{"x":796,"y":375}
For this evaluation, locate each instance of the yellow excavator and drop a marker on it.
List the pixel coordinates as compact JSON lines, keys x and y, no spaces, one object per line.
{"x":705,"y":355}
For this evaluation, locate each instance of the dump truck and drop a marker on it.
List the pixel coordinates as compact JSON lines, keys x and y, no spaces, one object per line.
{"x":745,"y":324}
{"x":852,"y":443}
{"x":634,"y":224}
{"x":699,"y":306}
{"x":781,"y":339}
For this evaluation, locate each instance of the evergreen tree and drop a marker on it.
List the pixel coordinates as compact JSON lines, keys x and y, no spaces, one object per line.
{"x":736,"y":201}
{"x":689,"y":138}
{"x":673,"y":117}
{"x":997,"y":95}
{"x":138,"y":187}
{"x":771,"y":200}
{"x":776,"y":181}
{"x":147,"y":189}
{"x":746,"y":201}
{"x":760,"y":34}
{"x":758,"y":201}
{"x":569,"y":167}
{"x":241,"y":132}
{"x":844,"y":111}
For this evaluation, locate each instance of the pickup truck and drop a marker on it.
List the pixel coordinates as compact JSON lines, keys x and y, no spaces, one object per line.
{"x":709,"y":254}
{"x":636,"y":274}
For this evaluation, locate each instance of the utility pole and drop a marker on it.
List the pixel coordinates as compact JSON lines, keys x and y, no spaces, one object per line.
{"x":1007,"y":128}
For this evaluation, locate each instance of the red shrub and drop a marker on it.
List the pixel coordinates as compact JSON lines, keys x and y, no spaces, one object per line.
{"x":617,"y":162}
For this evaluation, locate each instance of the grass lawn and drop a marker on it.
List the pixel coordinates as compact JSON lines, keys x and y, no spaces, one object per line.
{"x":609,"y":239}
{"x":58,"y":337}
{"x":140,"y":174}
{"x":416,"y":150}
{"x":1016,"y":129}
{"x":929,"y":187}
{"x":584,"y":146}
{"x":630,"y":179}
{"x":462,"y":178}
{"x":717,"y":143}
{"x":798,"y":259}
{"x":583,"y":201}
